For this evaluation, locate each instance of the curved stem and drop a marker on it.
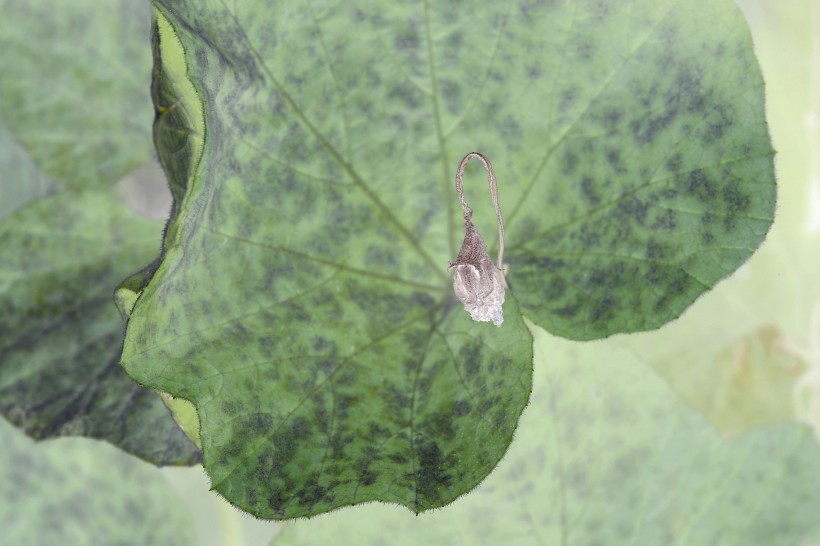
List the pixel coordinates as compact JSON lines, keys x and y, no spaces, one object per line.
{"x":468,"y":212}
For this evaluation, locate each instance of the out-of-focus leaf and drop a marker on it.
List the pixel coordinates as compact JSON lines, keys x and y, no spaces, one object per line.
{"x":607,"y":454}
{"x":756,"y":383}
{"x":20,"y":179}
{"x":74,"y":102}
{"x":74,"y":90}
{"x":736,"y":382}
{"x":60,"y":333}
{"x":80,"y":492}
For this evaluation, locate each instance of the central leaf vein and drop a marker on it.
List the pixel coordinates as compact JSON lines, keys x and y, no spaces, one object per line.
{"x":357,"y":179}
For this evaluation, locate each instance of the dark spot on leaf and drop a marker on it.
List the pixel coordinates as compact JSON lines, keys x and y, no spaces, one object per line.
{"x":647,"y":129}
{"x":423,"y":299}
{"x":470,"y":354}
{"x":588,"y":191}
{"x":441,"y":425}
{"x":699,"y":186}
{"x":320,"y":343}
{"x":398,"y":457}
{"x":407,"y":38}
{"x":603,"y":309}
{"x":655,"y":274}
{"x":673,"y":164}
{"x":395,"y":398}
{"x":665,"y":219}
{"x":634,"y":208}
{"x":613,"y":157}
{"x":201,"y":60}
{"x":294,"y":312}
{"x":510,"y":130}
{"x":654,"y":251}
{"x":380,"y":256}
{"x":311,"y":493}
{"x":612,"y":119}
{"x":736,"y":201}
{"x":555,"y":288}
{"x":709,"y":218}
{"x":255,"y":424}
{"x":433,"y":472}
{"x":487,"y":404}
{"x":407,"y":95}
{"x":461,"y":408}
{"x":367,"y":477}
{"x":230,"y":407}
{"x":568,"y":311}
{"x":586,"y":49}
{"x":500,"y":416}
{"x":566,"y":100}
{"x":589,"y":235}
{"x":716,"y":128}
{"x":569,"y":162}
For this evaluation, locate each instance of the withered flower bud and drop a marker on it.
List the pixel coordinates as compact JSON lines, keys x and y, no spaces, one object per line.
{"x":479,"y":283}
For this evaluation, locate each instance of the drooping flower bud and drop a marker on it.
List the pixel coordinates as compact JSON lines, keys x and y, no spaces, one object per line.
{"x":477,"y":282}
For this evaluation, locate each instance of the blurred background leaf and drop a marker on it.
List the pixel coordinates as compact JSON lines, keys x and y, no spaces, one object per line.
{"x":81,"y":492}
{"x":75,"y":117}
{"x":74,"y":90}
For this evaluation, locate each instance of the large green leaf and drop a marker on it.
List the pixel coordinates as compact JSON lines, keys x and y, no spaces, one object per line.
{"x":607,"y":454}
{"x":654,"y":176}
{"x":79,"y":492}
{"x":74,"y":86}
{"x":302,"y":303}
{"x":66,"y":237}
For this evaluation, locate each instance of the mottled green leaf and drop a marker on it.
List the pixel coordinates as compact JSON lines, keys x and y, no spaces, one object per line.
{"x":746,"y":354}
{"x":302,"y":302}
{"x":80,"y":492}
{"x":74,"y":86}
{"x":60,"y":333}
{"x":329,"y":364}
{"x":607,"y":454}
{"x":654,"y":176}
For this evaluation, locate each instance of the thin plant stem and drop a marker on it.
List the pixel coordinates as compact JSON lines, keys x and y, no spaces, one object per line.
{"x":468,"y":212}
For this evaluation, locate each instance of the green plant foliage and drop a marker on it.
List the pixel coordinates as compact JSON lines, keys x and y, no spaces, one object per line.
{"x":355,"y":380}
{"x":61,"y":333}
{"x":607,"y":454}
{"x":302,"y":302}
{"x":23,"y":181}
{"x":656,"y":177}
{"x":73,"y":90}
{"x":66,"y":237}
{"x":748,"y":353}
{"x":80,"y":492}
